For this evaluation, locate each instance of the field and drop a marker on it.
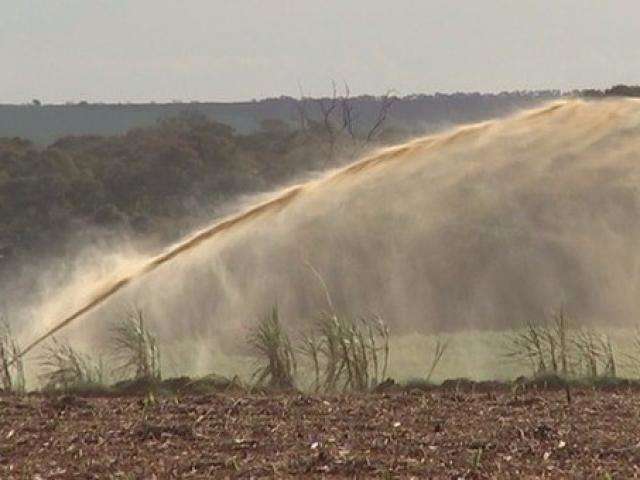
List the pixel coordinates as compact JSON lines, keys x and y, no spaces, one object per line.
{"x":487,"y":431}
{"x":324,"y":405}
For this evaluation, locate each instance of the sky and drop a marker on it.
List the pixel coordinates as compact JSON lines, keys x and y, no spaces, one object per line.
{"x":228,"y":50}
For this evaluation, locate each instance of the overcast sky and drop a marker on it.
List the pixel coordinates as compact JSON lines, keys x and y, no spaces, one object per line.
{"x":143,"y":50}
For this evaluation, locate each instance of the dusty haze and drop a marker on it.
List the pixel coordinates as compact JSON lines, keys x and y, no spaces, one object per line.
{"x":479,"y":227}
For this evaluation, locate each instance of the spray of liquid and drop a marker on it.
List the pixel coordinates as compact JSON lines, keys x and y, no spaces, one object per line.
{"x":478,"y":227}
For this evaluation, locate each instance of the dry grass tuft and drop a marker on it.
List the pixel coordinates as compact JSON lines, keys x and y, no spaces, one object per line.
{"x":11,"y":364}
{"x":276,"y":357}
{"x":347,"y":354}
{"x":134,"y":348}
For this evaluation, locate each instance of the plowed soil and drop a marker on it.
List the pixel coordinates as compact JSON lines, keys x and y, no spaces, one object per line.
{"x":409,"y":434}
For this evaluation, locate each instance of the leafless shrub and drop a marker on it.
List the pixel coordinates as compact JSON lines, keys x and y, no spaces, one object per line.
{"x":559,"y":347}
{"x":336,"y":118}
{"x":440,"y":348}
{"x":595,"y":353}
{"x":557,"y":337}
{"x":66,"y":369}
{"x":546,"y":346}
{"x":526,"y":345}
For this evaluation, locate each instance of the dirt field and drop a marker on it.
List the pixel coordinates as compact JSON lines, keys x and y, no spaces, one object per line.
{"x":413,"y":434}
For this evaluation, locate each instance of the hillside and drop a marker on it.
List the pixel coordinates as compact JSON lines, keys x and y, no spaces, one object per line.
{"x":43,"y":124}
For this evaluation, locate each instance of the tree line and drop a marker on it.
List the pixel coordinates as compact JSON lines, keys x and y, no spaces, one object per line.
{"x":156,"y":181}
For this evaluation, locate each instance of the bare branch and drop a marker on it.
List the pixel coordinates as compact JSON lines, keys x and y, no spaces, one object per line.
{"x":388,"y":100}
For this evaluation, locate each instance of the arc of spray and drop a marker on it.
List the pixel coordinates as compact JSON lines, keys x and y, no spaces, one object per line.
{"x":270,"y":206}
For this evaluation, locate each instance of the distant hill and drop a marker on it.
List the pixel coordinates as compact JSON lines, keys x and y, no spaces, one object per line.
{"x":44,"y":124}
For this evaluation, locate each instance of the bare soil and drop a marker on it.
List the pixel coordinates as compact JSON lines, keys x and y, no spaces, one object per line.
{"x":441,"y":433}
